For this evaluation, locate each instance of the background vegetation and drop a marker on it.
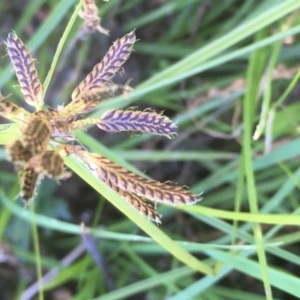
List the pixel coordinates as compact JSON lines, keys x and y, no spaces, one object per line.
{"x":227,"y":72}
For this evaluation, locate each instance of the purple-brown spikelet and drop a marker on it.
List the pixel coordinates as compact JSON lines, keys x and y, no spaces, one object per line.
{"x":130,"y":182}
{"x":146,"y":209}
{"x":91,"y":99}
{"x":143,"y":121}
{"x":107,"y":68}
{"x":25,"y":70}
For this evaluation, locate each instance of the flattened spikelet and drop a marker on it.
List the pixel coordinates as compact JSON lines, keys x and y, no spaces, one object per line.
{"x":91,"y":99}
{"x":141,"y":206}
{"x":106,"y":69}
{"x":143,"y":121}
{"x":130,"y":182}
{"x":25,"y":70}
{"x":146,"y":209}
{"x":12,"y":111}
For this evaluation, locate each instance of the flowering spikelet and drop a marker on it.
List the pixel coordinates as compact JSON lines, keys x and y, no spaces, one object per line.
{"x":34,"y":139}
{"x":144,"y":121}
{"x":130,"y":182}
{"x":49,"y":163}
{"x":91,"y":99}
{"x":90,"y":16}
{"x":12,"y":111}
{"x":17,"y":153}
{"x":52,"y":164}
{"x":146,"y":209}
{"x":106,"y":69}
{"x":36,"y":135}
{"x":25,"y":70}
{"x":28,"y":181}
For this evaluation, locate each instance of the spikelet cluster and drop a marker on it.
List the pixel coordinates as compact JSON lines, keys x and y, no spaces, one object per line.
{"x":133,"y":187}
{"x":130,"y":182}
{"x":30,"y":151}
